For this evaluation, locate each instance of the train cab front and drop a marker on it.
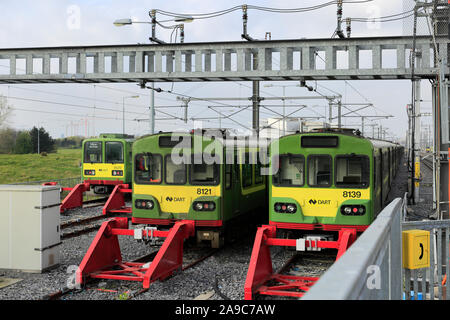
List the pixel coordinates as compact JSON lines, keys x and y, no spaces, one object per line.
{"x":104,"y":164}
{"x":321,"y":189}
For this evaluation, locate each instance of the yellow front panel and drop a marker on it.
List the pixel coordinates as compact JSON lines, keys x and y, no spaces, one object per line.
{"x":416,"y":249}
{"x":176,"y":199}
{"x":103,"y":170}
{"x":320,"y":202}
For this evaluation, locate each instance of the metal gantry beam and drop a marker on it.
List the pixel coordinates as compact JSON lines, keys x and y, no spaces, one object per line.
{"x":216,"y":61}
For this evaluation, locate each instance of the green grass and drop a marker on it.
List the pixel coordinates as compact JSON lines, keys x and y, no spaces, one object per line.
{"x":33,"y":167}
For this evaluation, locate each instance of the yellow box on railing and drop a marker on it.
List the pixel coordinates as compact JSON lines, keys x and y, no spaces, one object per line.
{"x":416,"y":249}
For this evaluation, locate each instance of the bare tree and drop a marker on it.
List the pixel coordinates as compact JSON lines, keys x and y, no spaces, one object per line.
{"x":5,"y":111}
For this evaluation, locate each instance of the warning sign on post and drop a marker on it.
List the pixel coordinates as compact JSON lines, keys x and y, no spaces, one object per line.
{"x":416,"y":249}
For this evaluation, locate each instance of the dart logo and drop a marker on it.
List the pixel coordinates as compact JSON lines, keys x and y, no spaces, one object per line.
{"x":312,"y":201}
{"x":176,"y":199}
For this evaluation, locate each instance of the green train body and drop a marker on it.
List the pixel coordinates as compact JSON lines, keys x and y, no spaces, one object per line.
{"x":327,"y":181}
{"x":106,"y":161}
{"x":170,"y":184}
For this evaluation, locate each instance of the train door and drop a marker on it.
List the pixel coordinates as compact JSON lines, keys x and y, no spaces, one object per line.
{"x":378,"y":184}
{"x":236,"y":181}
{"x":390,"y":167}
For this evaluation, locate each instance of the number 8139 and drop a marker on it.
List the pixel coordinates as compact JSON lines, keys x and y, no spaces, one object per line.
{"x":351,"y":194}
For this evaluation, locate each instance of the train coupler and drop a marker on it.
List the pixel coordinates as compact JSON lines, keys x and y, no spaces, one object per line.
{"x":260,"y":276}
{"x":103,"y":259}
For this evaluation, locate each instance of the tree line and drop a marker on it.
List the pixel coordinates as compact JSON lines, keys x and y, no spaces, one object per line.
{"x":26,"y":141}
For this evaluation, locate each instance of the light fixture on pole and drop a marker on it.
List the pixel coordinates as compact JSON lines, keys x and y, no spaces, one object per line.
{"x":123,"y":111}
{"x":154,"y":22}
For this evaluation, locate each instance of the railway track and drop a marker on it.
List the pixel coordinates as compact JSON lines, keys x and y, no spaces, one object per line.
{"x":72,"y":227}
{"x":309,"y":265}
{"x":194,"y":257}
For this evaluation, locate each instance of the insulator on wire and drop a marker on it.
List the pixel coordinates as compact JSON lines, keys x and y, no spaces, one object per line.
{"x":348,"y":21}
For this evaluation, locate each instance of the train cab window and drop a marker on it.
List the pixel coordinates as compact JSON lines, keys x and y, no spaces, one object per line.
{"x":93,"y":152}
{"x":175,"y":172}
{"x":113,"y":152}
{"x":352,"y":171}
{"x":148,"y":168}
{"x":204,"y":174}
{"x":290,"y":171}
{"x":319,"y":171}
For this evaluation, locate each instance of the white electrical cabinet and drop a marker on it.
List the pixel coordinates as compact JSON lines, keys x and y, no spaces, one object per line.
{"x":29,"y":227}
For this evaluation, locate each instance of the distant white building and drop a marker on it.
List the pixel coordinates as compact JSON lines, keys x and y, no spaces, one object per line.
{"x":275,"y":127}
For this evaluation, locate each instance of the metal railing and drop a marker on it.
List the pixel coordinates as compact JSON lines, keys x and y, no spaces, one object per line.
{"x":370,"y":269}
{"x":64,"y":183}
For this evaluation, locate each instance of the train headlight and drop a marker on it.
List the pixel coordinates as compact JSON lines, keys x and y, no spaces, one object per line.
{"x":144,"y":204}
{"x":291,"y":208}
{"x":89,"y":172}
{"x":353,"y":210}
{"x":285,"y":207}
{"x":204,"y":206}
{"x":117,"y":172}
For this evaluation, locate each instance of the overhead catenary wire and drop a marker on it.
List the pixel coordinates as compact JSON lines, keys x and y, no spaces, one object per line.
{"x":197,"y":16}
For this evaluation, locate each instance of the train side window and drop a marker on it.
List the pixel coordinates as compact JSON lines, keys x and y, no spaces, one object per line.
{"x":175,"y":173}
{"x":352,"y":171}
{"x":291,"y":171}
{"x":228,"y":176}
{"x":375,"y":165}
{"x":319,"y":170}
{"x":93,"y":152}
{"x":246,"y":171}
{"x":258,"y":177}
{"x":113,"y":152}
{"x":148,"y":168}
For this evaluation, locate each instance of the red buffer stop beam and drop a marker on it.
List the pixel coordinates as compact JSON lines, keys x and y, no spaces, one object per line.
{"x":260,"y":271}
{"x":114,"y":204}
{"x":104,"y":259}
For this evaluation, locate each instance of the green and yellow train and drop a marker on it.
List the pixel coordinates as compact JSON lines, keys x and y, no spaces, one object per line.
{"x":329,"y":180}
{"x":107,"y":161}
{"x":190,"y":176}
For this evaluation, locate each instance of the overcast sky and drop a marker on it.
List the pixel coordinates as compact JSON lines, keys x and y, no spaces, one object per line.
{"x":69,"y":108}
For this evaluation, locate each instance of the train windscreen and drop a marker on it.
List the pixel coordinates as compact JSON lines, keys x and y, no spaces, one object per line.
{"x":352,"y":171}
{"x":113,"y":152}
{"x":93,"y":152}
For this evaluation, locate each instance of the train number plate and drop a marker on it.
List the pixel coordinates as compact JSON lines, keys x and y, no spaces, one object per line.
{"x":351,"y":194}
{"x":205,"y":191}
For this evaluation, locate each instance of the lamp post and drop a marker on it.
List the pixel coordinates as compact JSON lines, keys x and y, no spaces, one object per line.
{"x":152,"y":13}
{"x":123,"y":111}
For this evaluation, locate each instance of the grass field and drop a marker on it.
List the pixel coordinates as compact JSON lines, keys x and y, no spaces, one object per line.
{"x":33,"y":167}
